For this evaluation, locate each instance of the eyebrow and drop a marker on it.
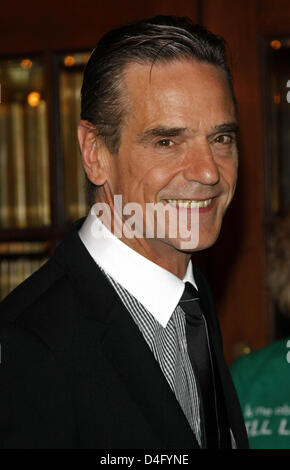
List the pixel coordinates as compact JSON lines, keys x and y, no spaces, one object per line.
{"x":162,"y":131}
{"x":165,"y":131}
{"x":225,"y":127}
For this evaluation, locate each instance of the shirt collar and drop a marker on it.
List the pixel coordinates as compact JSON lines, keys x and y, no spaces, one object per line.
{"x":156,"y":288}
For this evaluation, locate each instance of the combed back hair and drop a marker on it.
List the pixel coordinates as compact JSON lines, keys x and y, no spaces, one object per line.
{"x":278,"y":272}
{"x":161,"y":39}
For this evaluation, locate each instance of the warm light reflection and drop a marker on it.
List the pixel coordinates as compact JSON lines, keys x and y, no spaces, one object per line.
{"x":69,"y":60}
{"x":275,"y":44}
{"x":277,"y":98}
{"x":33,"y":98}
{"x":26,"y":63}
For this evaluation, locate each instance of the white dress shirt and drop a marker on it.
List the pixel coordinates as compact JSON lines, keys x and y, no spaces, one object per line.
{"x":142,"y":278}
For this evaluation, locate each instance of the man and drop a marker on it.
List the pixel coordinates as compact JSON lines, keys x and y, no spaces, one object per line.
{"x":110,"y":345}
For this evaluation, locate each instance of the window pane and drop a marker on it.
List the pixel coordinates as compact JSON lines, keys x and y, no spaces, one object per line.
{"x":24,"y":154}
{"x":279,"y":122}
{"x":70,"y":82}
{"x":277,"y":119}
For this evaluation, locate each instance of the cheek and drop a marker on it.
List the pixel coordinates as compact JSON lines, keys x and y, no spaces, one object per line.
{"x":229,"y":173}
{"x":162,"y":173}
{"x":233,"y":177}
{"x":126,"y":175}
{"x":147,"y":174}
{"x":230,"y":178}
{"x":156,"y":179}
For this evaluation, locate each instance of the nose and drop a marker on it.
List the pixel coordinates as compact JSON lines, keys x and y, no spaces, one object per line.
{"x":200,"y":165}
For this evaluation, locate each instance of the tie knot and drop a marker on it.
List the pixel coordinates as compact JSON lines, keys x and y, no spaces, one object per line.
{"x":189,"y":303}
{"x":189,"y":293}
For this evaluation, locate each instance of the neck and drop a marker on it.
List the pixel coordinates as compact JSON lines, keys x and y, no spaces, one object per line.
{"x":167,"y":257}
{"x":159,"y":252}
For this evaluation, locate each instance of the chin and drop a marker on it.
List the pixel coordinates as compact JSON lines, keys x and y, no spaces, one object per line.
{"x":190,"y":246}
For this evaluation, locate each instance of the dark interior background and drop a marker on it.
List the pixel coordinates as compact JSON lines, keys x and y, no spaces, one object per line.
{"x":236,"y":264}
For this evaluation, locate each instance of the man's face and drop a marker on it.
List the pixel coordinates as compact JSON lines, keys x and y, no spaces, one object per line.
{"x":178,"y":144}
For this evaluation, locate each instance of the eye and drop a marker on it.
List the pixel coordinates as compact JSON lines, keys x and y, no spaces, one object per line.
{"x":165,"y":143}
{"x":224,"y":139}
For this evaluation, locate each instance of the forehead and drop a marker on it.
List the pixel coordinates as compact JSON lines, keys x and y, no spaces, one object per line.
{"x":175,"y":92}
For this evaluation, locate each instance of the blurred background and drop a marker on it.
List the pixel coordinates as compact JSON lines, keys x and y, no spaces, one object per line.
{"x":43,"y":51}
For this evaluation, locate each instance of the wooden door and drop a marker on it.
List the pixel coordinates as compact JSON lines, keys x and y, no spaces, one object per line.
{"x":238,"y":259}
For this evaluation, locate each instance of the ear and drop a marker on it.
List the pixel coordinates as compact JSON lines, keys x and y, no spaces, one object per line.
{"x":93,"y":153}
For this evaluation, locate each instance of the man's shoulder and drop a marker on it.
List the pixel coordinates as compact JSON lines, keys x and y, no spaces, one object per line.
{"x":37,"y":288}
{"x":47,"y":300}
{"x":57,"y":300}
{"x":40,"y":307}
{"x":46,"y":284}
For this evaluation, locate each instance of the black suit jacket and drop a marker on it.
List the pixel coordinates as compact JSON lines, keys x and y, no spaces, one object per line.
{"x":76,"y":372}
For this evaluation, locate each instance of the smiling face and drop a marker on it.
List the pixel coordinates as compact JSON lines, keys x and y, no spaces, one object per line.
{"x":178,"y":144}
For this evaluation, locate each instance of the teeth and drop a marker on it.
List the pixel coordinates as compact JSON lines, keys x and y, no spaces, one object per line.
{"x":190,"y":203}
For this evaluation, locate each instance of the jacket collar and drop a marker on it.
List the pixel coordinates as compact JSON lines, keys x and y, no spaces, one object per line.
{"x":234,"y":412}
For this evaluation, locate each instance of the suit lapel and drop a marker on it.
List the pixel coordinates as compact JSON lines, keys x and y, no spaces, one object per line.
{"x":125,"y":347}
{"x":234,"y":413}
{"x":136,"y":366}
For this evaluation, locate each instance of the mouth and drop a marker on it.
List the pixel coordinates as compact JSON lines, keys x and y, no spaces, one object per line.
{"x":191,"y":203}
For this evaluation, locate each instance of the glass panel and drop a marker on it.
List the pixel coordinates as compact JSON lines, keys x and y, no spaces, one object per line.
{"x":24,"y":157}
{"x":277,"y":94}
{"x":18,"y":260}
{"x":278,"y":122}
{"x":71,"y":68}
